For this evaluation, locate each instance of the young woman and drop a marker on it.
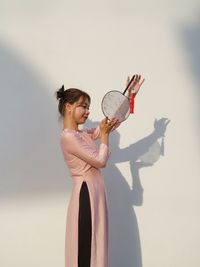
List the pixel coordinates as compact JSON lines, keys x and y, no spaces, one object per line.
{"x":87,"y":217}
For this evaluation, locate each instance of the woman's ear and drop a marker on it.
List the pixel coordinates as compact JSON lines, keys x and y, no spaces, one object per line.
{"x":68,"y":107}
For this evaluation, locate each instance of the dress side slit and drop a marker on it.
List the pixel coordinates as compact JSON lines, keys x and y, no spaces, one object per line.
{"x":84,"y":227}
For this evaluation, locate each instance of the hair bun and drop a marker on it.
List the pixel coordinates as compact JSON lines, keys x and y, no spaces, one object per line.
{"x":61,"y":92}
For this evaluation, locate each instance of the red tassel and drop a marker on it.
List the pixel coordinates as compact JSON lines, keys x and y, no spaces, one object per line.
{"x":132,"y":103}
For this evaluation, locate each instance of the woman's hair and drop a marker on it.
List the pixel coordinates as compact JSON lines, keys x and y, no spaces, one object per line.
{"x":70,"y":95}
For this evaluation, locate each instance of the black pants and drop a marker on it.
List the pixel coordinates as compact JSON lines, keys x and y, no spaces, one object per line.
{"x":84,"y":228}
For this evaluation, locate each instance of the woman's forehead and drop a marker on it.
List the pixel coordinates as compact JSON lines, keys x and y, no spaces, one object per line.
{"x":84,"y":100}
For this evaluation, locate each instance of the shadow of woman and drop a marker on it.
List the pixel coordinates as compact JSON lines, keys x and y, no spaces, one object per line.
{"x":124,"y":239}
{"x":125,"y":247}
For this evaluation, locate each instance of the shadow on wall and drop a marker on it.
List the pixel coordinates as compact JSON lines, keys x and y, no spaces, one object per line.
{"x":31,"y":160}
{"x":190,"y":38}
{"x":124,"y":239}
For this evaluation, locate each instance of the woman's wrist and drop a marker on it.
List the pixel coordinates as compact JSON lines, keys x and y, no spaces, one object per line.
{"x":104,"y":138}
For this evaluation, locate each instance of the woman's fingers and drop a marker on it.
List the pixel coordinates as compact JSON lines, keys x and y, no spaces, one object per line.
{"x":127,"y":80}
{"x":112,"y":123}
{"x":135,"y":85}
{"x":142,"y":82}
{"x":107,"y":124}
{"x":104,"y":120}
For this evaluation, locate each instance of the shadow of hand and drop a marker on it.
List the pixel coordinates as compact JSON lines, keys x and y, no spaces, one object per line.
{"x":160,"y":126}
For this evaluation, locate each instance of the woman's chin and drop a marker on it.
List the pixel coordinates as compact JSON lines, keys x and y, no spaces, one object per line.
{"x":83,"y":120}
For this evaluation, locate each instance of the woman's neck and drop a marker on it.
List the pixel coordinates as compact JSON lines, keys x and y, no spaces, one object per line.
{"x":70,"y":124}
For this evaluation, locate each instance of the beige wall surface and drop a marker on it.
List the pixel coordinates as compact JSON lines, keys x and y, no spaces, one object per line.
{"x":152,"y":181}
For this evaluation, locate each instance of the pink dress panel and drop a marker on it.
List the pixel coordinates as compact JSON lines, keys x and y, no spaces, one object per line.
{"x":84,"y":160}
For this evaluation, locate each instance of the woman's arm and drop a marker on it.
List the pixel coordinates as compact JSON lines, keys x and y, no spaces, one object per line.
{"x":72,"y":143}
{"x":95,"y":132}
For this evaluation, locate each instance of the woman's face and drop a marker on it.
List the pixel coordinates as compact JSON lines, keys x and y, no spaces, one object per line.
{"x":80,"y":110}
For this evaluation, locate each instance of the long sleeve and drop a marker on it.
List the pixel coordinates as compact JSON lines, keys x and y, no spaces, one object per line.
{"x":72,"y":143}
{"x":94,"y":132}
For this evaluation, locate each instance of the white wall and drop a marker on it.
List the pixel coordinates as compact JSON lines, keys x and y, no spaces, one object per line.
{"x":94,"y":46}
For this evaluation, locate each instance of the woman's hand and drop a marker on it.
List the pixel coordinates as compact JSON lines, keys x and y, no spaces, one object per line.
{"x":135,"y":85}
{"x":107,"y":125}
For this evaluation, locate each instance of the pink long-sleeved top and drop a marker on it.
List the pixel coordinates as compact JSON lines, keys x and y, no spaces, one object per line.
{"x":80,"y":151}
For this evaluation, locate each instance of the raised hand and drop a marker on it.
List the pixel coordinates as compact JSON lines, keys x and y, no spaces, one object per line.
{"x":135,"y":85}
